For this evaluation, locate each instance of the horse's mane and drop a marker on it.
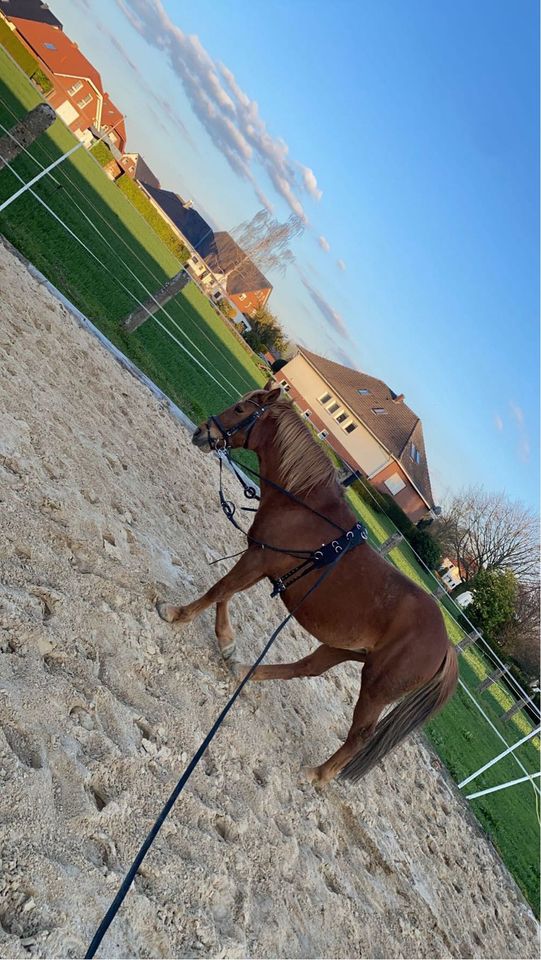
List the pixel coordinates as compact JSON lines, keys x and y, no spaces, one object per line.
{"x":303,"y":463}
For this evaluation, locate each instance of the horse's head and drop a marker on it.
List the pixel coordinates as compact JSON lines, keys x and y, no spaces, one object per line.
{"x":232,"y":426}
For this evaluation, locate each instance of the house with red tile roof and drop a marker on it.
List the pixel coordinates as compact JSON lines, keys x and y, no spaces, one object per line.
{"x":368,"y":425}
{"x":77,"y":96}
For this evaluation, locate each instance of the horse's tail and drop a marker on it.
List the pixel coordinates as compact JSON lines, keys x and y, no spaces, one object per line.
{"x":411,"y":712}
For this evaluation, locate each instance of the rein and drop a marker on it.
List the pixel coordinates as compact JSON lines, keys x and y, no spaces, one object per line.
{"x":328,"y":556}
{"x":173,"y":797}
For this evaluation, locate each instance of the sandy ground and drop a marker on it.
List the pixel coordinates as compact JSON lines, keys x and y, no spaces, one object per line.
{"x":103,"y":504}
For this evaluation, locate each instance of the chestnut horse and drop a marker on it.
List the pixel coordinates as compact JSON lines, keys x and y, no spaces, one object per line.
{"x":364,"y":610}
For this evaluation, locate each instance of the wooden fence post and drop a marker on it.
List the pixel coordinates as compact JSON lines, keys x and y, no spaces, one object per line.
{"x":493,"y":678}
{"x":467,"y":640}
{"x":24,"y":132}
{"x":390,"y":543}
{"x":514,"y":709}
{"x":159,"y":299}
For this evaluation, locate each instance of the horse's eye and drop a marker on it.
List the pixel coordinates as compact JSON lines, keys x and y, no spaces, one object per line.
{"x":238,"y":408}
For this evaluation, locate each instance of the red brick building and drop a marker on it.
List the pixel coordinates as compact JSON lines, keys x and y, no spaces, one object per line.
{"x":77,"y":95}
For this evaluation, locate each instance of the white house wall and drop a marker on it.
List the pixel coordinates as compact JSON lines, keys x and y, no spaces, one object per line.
{"x":363,"y":448}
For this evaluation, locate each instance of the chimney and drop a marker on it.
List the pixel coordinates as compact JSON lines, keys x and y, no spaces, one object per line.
{"x":400,"y":398}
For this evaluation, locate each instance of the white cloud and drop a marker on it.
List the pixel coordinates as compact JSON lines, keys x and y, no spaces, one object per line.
{"x":523,"y":448}
{"x":324,"y":244}
{"x":310,"y":182}
{"x":341,"y":265}
{"x":230,"y":117}
{"x":329,"y":314}
{"x":498,"y":422}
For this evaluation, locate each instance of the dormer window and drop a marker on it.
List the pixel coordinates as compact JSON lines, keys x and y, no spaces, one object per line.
{"x":414,"y":454}
{"x":364,"y":392}
{"x":379,"y":411}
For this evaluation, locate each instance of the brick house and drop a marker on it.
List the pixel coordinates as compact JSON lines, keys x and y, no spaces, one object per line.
{"x":77,"y":95}
{"x":136,"y":168}
{"x":245,"y":284}
{"x":368,"y":425}
{"x":217,"y":261}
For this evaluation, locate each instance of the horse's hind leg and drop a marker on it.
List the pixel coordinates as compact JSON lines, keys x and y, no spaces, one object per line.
{"x":365,"y":717}
{"x":313,"y":665}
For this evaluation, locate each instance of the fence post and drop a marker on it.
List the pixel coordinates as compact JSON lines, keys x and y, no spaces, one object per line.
{"x":390,"y":543}
{"x":23,"y":134}
{"x":162,"y":296}
{"x":467,"y":641}
{"x":514,"y":709}
{"x":493,"y":678}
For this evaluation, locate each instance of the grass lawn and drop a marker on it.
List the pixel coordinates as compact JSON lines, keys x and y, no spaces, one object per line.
{"x":126,"y":260}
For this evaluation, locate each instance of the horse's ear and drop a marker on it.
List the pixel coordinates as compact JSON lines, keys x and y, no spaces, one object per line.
{"x":272,"y":396}
{"x":269,"y":384}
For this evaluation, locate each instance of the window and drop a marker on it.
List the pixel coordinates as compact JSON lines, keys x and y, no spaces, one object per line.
{"x":307,"y":414}
{"x":49,"y":46}
{"x":363,"y":392}
{"x":242,"y":296}
{"x":351,"y":427}
{"x":75,"y":88}
{"x":414,"y":454}
{"x":333,"y":407}
{"x":379,"y":411}
{"x":325,"y":398}
{"x":85,"y":101}
{"x":194,"y":259}
{"x":394,"y":483}
{"x":284,"y":385}
{"x":323,"y":434}
{"x":341,"y":417}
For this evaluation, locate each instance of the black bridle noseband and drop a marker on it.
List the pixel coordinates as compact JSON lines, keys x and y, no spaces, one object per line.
{"x":311,"y":559}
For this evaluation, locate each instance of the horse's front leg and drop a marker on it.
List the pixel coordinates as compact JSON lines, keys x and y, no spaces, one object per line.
{"x":247,"y":572}
{"x":224,"y":630}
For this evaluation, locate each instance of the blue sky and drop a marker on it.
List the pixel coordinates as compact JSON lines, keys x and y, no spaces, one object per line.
{"x":406,"y":133}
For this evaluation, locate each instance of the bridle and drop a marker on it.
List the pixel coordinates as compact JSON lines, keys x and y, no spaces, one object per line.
{"x":247,"y":424}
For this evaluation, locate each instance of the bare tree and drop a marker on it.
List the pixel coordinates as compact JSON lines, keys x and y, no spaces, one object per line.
{"x":519,"y":637}
{"x":481,"y":530}
{"x":265,"y":242}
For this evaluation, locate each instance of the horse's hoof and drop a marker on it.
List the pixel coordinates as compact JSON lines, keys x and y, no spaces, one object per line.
{"x":239,"y":670}
{"x":167,"y":612}
{"x":311,"y":774}
{"x":228,"y":650}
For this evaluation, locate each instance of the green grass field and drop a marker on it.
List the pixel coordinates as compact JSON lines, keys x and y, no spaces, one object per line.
{"x":123,"y":262}
{"x":131,"y":262}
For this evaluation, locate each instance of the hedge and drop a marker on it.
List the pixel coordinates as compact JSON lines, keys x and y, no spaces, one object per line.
{"x":17,"y":50}
{"x":139,"y":200}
